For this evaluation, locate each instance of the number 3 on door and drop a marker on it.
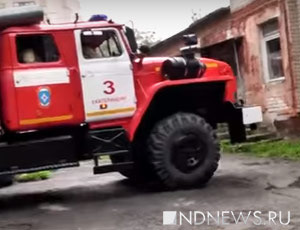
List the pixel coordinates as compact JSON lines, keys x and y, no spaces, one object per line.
{"x":110,"y":87}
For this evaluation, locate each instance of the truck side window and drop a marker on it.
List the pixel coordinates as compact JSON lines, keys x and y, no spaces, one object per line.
{"x":36,"y":48}
{"x":100,"y":44}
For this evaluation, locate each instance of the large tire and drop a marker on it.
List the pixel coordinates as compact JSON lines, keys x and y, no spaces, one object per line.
{"x":6,"y":181}
{"x":184,"y":151}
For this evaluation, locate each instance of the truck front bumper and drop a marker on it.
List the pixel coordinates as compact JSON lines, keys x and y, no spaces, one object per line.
{"x":252,"y":115}
{"x":238,"y":117}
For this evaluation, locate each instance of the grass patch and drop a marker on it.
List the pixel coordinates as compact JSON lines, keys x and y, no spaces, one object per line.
{"x":37,"y":176}
{"x":286,"y":149}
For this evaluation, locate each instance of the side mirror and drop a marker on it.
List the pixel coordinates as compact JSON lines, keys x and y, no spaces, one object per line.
{"x":145,"y":50}
{"x":131,"y":39}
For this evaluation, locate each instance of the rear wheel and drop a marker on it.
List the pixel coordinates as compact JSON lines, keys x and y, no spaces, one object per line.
{"x":184,"y":150}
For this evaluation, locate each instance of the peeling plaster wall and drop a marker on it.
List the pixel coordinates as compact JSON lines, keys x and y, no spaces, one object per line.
{"x":277,"y":98}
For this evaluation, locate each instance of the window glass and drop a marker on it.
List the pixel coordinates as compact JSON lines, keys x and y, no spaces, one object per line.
{"x":274,"y":58}
{"x":270,"y":27}
{"x":100,"y":44}
{"x":36,"y":48}
{"x":272,"y":50}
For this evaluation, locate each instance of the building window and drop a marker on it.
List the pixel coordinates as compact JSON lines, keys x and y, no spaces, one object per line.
{"x":271,"y":51}
{"x":100,"y":44}
{"x":36,"y":49}
{"x":24,"y":3}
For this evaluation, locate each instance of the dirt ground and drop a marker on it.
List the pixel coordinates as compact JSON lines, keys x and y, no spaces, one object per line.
{"x":74,"y":199}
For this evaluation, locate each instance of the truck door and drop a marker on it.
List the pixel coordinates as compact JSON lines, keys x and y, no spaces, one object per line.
{"x":44,"y":88}
{"x":106,"y":75}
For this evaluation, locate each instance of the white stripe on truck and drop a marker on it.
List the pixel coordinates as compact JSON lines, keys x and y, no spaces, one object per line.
{"x":39,"y":77}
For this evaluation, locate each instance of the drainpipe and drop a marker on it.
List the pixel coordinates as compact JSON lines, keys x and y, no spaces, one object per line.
{"x":294,"y":78}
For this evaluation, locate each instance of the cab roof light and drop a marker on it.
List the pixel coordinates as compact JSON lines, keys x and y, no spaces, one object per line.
{"x":98,"y":17}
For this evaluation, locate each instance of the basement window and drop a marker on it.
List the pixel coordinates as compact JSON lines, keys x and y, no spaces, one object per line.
{"x":271,"y":51}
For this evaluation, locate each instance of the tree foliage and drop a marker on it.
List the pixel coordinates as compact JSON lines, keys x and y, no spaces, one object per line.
{"x":147,"y":38}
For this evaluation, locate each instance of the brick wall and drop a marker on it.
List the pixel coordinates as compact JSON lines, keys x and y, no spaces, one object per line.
{"x":293,"y":13}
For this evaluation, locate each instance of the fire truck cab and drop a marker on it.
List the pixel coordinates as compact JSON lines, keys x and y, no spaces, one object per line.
{"x":79,"y":91}
{"x":71,"y":77}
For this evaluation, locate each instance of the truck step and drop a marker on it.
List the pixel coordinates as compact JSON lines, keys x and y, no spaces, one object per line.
{"x":113,"y":167}
{"x":108,"y":142}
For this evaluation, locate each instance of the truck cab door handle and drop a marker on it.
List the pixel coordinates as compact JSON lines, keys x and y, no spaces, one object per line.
{"x":88,"y":74}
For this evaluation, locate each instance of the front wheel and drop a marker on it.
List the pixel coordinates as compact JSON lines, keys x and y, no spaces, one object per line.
{"x":184,"y":151}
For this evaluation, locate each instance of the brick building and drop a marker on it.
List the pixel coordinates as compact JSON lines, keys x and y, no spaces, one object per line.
{"x":260,"y":39}
{"x":56,"y":11}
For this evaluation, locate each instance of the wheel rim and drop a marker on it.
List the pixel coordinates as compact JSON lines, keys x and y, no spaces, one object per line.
{"x":188,"y":152}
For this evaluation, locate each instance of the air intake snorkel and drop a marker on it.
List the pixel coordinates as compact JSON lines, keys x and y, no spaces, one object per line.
{"x":187,"y":65}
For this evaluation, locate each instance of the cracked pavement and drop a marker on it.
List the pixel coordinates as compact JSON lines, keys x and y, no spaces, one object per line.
{"x":76,"y":199}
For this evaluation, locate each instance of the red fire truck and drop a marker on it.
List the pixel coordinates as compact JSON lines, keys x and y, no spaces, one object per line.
{"x":81,"y":91}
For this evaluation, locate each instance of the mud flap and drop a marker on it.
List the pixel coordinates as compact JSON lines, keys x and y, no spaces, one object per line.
{"x":237,"y":129}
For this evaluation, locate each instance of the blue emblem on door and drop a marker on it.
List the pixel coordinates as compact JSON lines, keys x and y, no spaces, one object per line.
{"x":44,"y":97}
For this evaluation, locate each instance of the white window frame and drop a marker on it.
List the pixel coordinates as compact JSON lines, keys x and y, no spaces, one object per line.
{"x":264,"y":40}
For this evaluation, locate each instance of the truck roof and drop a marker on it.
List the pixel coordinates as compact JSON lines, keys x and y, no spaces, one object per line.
{"x":59,"y":27}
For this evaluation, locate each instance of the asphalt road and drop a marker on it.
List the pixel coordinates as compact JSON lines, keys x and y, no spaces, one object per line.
{"x":74,"y":199}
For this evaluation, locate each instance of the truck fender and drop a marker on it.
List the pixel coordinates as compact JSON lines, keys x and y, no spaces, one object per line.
{"x":157,"y":93}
